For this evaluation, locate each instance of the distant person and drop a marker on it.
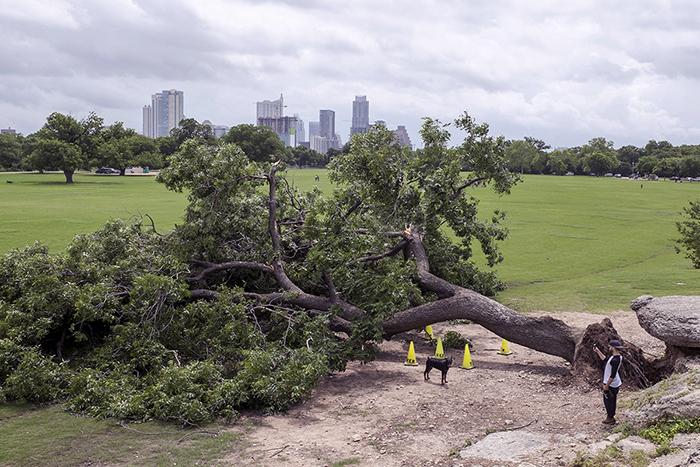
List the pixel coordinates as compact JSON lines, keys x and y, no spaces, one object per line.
{"x":611,"y":379}
{"x":642,"y":186}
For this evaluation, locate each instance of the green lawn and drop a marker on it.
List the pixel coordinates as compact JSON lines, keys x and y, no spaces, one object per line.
{"x":43,"y":207}
{"x":592,"y":244}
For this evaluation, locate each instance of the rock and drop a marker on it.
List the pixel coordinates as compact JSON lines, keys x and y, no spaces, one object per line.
{"x":510,"y":446}
{"x":673,"y":319}
{"x":636,"y":443}
{"x":596,"y":448}
{"x":678,"y":396}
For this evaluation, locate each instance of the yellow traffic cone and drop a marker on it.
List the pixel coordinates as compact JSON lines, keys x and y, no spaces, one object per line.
{"x":411,"y":360}
{"x":467,"y":363}
{"x":504,"y":348}
{"x":439,"y":353}
{"x":428,"y":332}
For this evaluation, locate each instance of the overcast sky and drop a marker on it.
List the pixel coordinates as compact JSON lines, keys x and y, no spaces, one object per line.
{"x":560,"y":71}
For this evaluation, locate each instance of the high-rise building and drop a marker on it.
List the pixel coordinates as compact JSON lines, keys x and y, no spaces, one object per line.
{"x":301,"y":131}
{"x":314,"y":129}
{"x":270,"y":109}
{"x":360,"y":115}
{"x":285,"y":127}
{"x":326,"y":123}
{"x":166,"y":111}
{"x":402,"y":136}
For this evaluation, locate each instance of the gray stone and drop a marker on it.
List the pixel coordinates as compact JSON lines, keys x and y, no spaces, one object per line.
{"x":676,"y":396}
{"x":510,"y":446}
{"x":596,"y":448}
{"x":673,"y":319}
{"x":636,"y":443}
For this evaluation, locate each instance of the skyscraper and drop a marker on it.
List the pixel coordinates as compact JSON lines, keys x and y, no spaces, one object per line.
{"x":326,"y":123}
{"x":402,"y":136}
{"x":360,"y":115}
{"x":270,"y":109}
{"x":166,"y":111}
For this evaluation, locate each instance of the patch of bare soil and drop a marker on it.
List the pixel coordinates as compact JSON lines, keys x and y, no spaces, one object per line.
{"x":385,"y":414}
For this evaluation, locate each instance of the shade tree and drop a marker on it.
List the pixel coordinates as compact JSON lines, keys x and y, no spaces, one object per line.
{"x":66,"y":144}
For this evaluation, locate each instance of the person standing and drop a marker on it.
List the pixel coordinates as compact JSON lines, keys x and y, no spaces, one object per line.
{"x":611,"y":379}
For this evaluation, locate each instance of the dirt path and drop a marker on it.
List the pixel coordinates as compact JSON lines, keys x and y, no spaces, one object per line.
{"x":385,"y":414}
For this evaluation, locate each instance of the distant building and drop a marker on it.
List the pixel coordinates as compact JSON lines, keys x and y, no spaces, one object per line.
{"x":314,"y":129}
{"x":360,"y":115}
{"x":301,"y":132}
{"x":285,"y":127}
{"x":166,"y":111}
{"x":326,"y":120}
{"x":271,"y":114}
{"x":270,"y":109}
{"x":218,"y":130}
{"x":402,"y":136}
{"x":325,"y":137}
{"x":8,"y":130}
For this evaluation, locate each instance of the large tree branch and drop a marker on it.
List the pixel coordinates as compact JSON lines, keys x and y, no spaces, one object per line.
{"x":210,"y":268}
{"x":544,"y":334}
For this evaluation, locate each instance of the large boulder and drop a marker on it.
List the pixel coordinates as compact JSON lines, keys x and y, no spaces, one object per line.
{"x":677,"y":396}
{"x":673,"y":319}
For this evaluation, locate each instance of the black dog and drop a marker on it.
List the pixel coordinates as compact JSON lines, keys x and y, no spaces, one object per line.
{"x":442,"y":364}
{"x":9,"y":181}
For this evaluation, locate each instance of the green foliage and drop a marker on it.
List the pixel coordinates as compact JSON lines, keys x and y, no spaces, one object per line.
{"x":65,"y":144}
{"x":259,"y":143}
{"x":690,"y":234}
{"x":663,"y":433}
{"x":454,"y":340}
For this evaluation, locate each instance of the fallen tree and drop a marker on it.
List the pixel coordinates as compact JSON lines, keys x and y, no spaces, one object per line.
{"x":263,"y":288}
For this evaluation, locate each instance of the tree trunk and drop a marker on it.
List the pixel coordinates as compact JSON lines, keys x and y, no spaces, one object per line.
{"x":544,"y":334}
{"x":69,"y":175}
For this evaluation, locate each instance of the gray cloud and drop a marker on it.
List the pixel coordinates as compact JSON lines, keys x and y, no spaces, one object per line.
{"x":567,"y":72}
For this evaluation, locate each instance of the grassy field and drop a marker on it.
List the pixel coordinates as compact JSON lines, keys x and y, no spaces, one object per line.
{"x":43,"y":207}
{"x":592,"y":244}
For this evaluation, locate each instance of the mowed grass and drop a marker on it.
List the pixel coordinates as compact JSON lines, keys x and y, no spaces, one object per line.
{"x":49,"y":436}
{"x":592,"y":244}
{"x":42,"y":207}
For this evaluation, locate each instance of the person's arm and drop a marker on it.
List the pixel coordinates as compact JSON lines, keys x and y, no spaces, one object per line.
{"x":600,"y":354}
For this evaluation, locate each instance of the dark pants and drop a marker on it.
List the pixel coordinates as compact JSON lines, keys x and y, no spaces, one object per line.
{"x":610,"y":401}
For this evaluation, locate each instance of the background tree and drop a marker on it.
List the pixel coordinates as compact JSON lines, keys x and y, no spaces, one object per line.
{"x":305,"y":157}
{"x":668,"y":167}
{"x":259,"y":143}
{"x":630,"y":154}
{"x":190,"y":128}
{"x":689,"y":229}
{"x":10,"y":151}
{"x":114,"y":151}
{"x":519,"y":155}
{"x":65,"y":144}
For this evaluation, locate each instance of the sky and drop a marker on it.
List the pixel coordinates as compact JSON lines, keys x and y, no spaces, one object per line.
{"x":560,"y":71}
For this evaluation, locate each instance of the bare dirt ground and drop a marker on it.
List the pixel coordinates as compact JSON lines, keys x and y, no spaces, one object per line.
{"x":385,"y":414}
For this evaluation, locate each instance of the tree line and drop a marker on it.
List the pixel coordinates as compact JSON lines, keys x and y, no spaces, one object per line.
{"x":598,"y":157}
{"x":67,"y":144}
